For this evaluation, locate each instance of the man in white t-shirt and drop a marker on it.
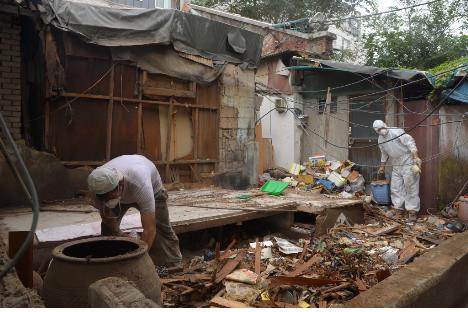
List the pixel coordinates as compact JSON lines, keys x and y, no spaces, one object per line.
{"x":133,"y":181}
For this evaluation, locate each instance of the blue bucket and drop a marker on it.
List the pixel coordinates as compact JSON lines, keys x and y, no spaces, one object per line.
{"x":381,"y":193}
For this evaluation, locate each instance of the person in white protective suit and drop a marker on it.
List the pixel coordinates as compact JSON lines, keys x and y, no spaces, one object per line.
{"x":401,"y":153}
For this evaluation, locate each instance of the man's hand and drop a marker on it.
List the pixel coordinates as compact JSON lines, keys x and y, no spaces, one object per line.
{"x":418,"y":161}
{"x":148,"y":221}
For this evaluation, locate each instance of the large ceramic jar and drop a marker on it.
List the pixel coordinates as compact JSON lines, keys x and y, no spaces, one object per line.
{"x":76,"y":265}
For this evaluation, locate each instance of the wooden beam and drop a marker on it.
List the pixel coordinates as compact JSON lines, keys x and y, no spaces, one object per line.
{"x":169,"y":92}
{"x":121,"y":99}
{"x":110,"y":110}
{"x":174,"y":163}
{"x":169,"y":138}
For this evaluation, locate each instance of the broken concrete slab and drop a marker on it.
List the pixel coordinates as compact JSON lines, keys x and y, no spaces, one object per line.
{"x":438,"y":278}
{"x":114,"y":292}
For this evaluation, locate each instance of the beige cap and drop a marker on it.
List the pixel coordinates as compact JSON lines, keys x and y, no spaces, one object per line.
{"x":103,"y":180}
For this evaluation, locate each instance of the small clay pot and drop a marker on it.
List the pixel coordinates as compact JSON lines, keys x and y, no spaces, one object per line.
{"x":78,"y":264}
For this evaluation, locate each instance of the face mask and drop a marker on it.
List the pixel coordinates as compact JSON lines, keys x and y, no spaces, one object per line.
{"x":112,"y":203}
{"x":383,"y":132}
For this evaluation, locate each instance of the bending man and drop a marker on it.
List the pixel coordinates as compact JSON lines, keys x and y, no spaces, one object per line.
{"x":401,"y":153}
{"x":133,"y":181}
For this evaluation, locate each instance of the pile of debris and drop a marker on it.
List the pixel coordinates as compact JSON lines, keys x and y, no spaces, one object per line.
{"x":317,"y":175}
{"x":309,"y":272}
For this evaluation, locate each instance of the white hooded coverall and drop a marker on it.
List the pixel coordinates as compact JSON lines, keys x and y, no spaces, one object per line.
{"x":398,"y":153}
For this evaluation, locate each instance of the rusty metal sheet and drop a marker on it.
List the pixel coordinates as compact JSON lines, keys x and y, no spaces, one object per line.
{"x":427,"y":142}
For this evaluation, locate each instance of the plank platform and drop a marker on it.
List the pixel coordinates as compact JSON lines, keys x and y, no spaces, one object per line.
{"x":185,"y":212}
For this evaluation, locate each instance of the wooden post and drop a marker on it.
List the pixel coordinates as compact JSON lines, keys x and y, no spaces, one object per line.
{"x":195,"y":144}
{"x":24,"y":267}
{"x":169,"y":139}
{"x":327,"y":117}
{"x":47,"y":125}
{"x":141,"y":82}
{"x":110,"y":110}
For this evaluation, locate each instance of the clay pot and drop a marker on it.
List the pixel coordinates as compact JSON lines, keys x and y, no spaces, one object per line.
{"x":78,"y":264}
{"x":462,"y":209}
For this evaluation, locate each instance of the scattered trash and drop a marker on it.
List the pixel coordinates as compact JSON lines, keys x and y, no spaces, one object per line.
{"x":295,"y":169}
{"x":273,"y":187}
{"x":267,"y":243}
{"x":306,"y":272}
{"x":243,"y":276}
{"x":241,"y":292}
{"x":286,"y":247}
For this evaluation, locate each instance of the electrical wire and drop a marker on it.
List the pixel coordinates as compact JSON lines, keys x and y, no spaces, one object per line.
{"x":377,"y":144}
{"x":333,"y":21}
{"x":32,"y":192}
{"x":427,"y":159}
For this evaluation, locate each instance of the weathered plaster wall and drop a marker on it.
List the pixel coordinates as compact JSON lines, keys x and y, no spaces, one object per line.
{"x":338,"y":130}
{"x":237,"y":147}
{"x":52,"y":180}
{"x":453,"y":162}
{"x":282,"y":129}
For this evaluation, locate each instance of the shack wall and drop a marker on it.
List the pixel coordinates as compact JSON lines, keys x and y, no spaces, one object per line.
{"x":453,"y":149}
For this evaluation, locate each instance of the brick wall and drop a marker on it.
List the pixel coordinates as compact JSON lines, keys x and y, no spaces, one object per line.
{"x":10,"y":62}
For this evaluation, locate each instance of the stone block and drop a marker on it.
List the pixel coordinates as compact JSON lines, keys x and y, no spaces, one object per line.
{"x":353,"y":214}
{"x":114,"y":292}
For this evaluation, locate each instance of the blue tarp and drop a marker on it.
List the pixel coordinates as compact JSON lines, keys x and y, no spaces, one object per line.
{"x":459,"y":94}
{"x":457,"y":90}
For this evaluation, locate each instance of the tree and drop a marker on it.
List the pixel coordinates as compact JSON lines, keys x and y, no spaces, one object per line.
{"x":420,"y":37}
{"x":278,"y":11}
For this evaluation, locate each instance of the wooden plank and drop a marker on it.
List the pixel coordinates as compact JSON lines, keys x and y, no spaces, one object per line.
{"x":110,"y":109}
{"x":175,"y":162}
{"x":170,"y":116}
{"x":195,"y":177}
{"x":305,"y":266}
{"x":168,"y":92}
{"x":24,"y":267}
{"x":143,"y":101}
{"x":258,"y":255}
{"x":386,"y":230}
{"x":227,"y":251}
{"x":229,"y":267}
{"x":220,"y":301}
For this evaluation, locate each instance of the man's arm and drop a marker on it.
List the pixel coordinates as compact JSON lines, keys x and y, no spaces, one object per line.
{"x":148,"y":221}
{"x":383,"y":158}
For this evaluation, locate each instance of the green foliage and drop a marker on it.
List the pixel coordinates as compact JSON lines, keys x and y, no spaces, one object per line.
{"x":278,"y":11}
{"x":441,"y":80}
{"x":421,"y":37}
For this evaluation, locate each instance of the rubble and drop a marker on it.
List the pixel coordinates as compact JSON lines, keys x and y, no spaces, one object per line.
{"x":319,"y":272}
{"x":317,"y":175}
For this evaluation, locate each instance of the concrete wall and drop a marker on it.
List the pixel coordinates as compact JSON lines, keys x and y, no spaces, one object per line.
{"x":237,"y":146}
{"x":338,"y":132}
{"x":10,"y":63}
{"x":283,"y":130}
{"x":52,"y":180}
{"x":437,"y":279}
{"x":453,"y":163}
